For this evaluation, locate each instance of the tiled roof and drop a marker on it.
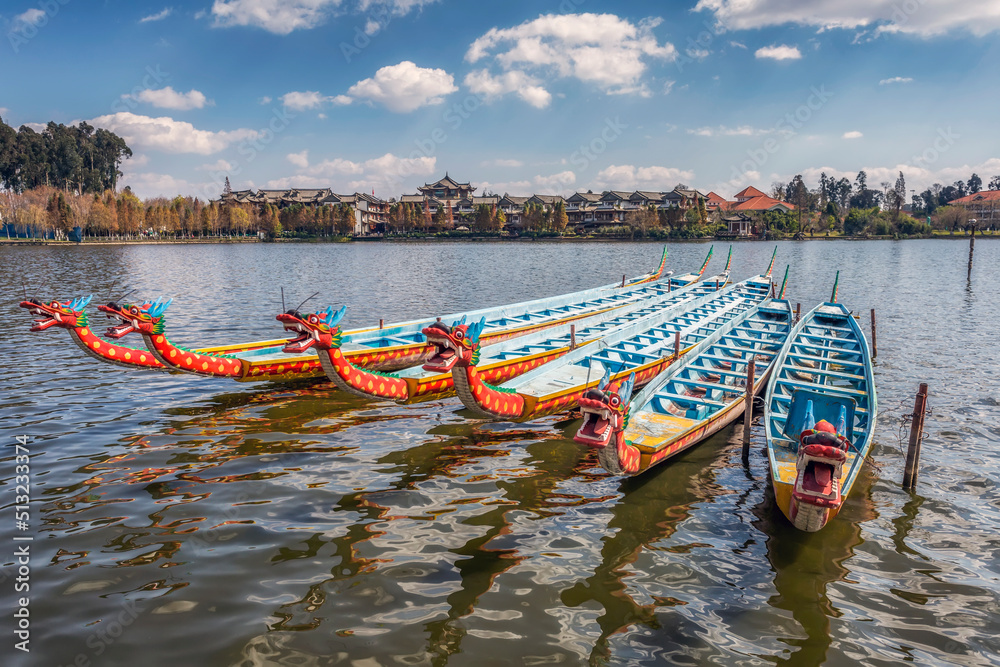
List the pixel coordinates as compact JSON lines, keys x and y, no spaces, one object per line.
{"x":647,"y":195}
{"x":761,"y":203}
{"x":749,"y":192}
{"x":985,"y":195}
{"x":513,"y":200}
{"x":585,"y":196}
{"x":547,"y":199}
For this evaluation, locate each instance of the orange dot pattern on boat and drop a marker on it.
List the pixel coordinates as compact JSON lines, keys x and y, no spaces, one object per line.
{"x":194,"y":362}
{"x":106,"y":351}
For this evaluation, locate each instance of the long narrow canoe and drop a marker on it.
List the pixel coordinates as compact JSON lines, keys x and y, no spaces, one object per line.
{"x":820,"y":415}
{"x":460,"y":345}
{"x":389,"y":348}
{"x":645,"y":348}
{"x":689,"y":402}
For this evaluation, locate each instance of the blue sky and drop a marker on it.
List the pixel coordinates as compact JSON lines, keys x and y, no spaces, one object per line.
{"x":519,"y":97}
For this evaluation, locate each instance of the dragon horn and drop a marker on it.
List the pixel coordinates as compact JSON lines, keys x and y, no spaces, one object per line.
{"x":461,"y":321}
{"x":625,"y":392}
{"x":160,"y":307}
{"x":85,"y":301}
{"x":602,"y":385}
{"x":479,"y":328}
{"x":337,"y":316}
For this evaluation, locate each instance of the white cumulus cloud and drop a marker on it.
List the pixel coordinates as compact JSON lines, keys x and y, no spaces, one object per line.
{"x":388,"y":173}
{"x":853,"y":134}
{"x":631,"y":177}
{"x":920,"y":17}
{"x":603,"y":50}
{"x":778,"y":52}
{"x":405,"y":87}
{"x":278,"y":16}
{"x":168,"y":98}
{"x":302,"y":100}
{"x":300,"y":160}
{"x":169,"y":135}
{"x":490,"y":87}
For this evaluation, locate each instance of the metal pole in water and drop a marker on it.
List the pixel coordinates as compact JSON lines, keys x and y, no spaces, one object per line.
{"x":916,"y":433}
{"x":972,"y":247}
{"x":874,"y":337}
{"x":748,"y":411}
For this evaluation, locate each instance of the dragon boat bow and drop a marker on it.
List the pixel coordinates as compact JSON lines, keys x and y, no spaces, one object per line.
{"x":821,"y":408}
{"x":691,"y":400}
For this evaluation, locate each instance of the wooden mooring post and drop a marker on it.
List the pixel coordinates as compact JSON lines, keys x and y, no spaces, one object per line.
{"x":572,"y":336}
{"x":381,"y":323}
{"x":874,"y":337}
{"x":677,"y":345}
{"x":748,"y":411}
{"x":623,"y":281}
{"x":910,"y":472}
{"x":972,"y":248}
{"x":798,"y":309}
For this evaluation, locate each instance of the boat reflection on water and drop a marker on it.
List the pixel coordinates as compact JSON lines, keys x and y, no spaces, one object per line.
{"x":438,"y":581}
{"x":651,"y":508}
{"x":805,"y":565}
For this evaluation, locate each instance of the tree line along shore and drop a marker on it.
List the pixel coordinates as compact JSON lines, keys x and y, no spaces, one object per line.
{"x":61,"y":184}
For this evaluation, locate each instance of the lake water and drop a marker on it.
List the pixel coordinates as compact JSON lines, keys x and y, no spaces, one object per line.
{"x":179,"y":520}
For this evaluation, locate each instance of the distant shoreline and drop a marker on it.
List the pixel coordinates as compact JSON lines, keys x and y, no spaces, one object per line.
{"x":477,"y":239}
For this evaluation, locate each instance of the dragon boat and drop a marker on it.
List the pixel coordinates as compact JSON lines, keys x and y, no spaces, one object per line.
{"x":645,"y":347}
{"x":460,"y":345}
{"x":389,"y":348}
{"x":72,"y":316}
{"x":693,"y":399}
{"x":821,"y":409}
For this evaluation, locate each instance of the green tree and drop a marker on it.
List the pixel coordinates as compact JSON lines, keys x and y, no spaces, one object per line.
{"x":858,"y":220}
{"x":975,"y":184}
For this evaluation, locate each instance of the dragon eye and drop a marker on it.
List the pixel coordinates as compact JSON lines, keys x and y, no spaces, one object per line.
{"x":615,"y":401}
{"x":459,"y":335}
{"x":134,"y":310}
{"x":313,"y":319}
{"x":54,"y":304}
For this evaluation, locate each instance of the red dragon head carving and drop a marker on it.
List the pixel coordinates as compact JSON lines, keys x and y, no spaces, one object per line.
{"x":146,"y":318}
{"x":605,"y":412}
{"x":319,"y":329}
{"x":68,"y":315}
{"x":454,"y":345}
